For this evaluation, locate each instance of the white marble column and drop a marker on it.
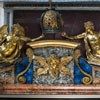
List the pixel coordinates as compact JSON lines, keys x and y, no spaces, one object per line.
{"x":1,"y":14}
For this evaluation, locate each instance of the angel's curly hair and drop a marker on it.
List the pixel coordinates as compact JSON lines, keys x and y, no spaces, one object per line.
{"x":88,"y":23}
{"x":20,"y":30}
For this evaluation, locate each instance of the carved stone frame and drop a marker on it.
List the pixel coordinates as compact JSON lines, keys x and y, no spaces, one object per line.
{"x":51,"y":89}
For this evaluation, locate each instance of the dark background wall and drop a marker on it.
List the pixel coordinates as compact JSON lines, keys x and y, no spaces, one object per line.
{"x":73,"y":23}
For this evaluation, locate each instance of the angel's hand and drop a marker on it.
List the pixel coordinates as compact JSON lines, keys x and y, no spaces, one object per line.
{"x":42,"y":35}
{"x":64,"y":34}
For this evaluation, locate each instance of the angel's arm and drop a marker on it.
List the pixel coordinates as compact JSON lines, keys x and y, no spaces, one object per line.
{"x":29,"y":39}
{"x":25,"y":38}
{"x":80,"y":36}
{"x":41,"y":36}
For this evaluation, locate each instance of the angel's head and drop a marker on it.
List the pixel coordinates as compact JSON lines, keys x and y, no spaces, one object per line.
{"x":89,"y":26}
{"x":53,"y":61}
{"x":18,"y":30}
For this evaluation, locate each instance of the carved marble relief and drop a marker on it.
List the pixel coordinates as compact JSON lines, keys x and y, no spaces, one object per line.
{"x":45,"y":62}
{"x":58,"y":67}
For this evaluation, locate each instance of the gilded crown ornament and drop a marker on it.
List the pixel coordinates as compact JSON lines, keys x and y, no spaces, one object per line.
{"x":51,"y":21}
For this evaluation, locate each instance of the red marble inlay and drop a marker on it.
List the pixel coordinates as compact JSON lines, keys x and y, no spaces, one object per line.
{"x":50,"y":89}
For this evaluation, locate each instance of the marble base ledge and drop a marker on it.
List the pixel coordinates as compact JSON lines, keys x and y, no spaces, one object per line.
{"x":50,"y":89}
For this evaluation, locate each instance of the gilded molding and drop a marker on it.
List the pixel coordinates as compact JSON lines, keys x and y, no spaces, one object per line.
{"x":53,"y":43}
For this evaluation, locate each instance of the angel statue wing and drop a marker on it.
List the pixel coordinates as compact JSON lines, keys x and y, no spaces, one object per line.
{"x":3,"y":33}
{"x":42,"y":71}
{"x":43,"y":66}
{"x":41,"y":61}
{"x":66,"y":60}
{"x":4,"y":30}
{"x":64,"y":70}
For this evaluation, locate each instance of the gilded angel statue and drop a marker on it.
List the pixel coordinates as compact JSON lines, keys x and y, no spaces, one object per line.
{"x":53,"y":66}
{"x":92,"y":41}
{"x":11,"y":44}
